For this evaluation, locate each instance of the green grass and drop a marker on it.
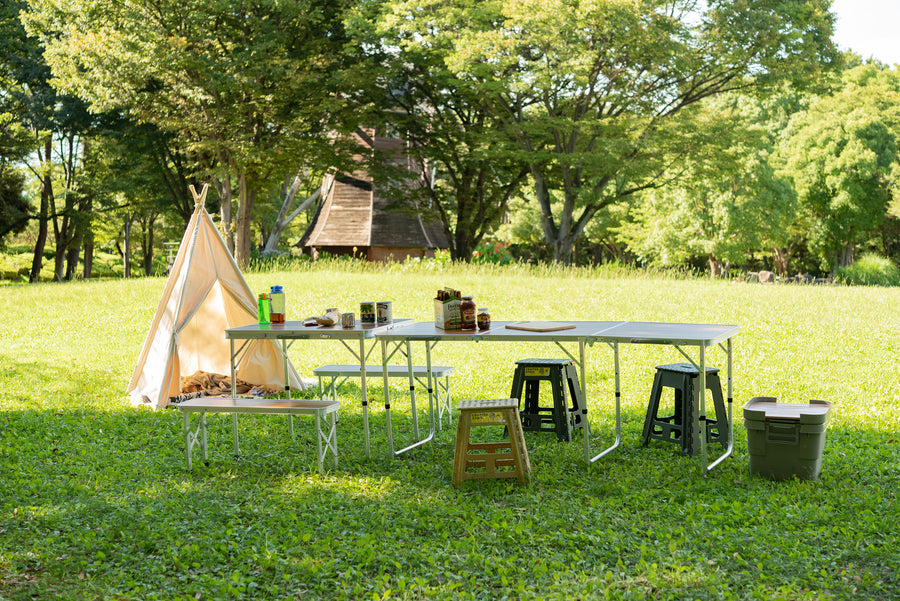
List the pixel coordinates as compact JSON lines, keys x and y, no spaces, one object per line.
{"x":96,"y":503}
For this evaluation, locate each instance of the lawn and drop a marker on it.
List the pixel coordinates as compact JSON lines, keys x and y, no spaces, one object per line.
{"x":96,"y":503}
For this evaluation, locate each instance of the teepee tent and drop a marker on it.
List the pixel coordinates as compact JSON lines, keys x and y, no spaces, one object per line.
{"x":204,"y":295}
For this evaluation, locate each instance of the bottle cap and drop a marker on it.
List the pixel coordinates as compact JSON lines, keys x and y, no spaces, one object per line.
{"x":276,"y":289}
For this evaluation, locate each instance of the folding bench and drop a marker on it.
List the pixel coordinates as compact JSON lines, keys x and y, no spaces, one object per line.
{"x":326,"y":429}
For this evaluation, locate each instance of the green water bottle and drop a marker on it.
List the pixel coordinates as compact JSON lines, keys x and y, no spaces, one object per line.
{"x":263,"y":308}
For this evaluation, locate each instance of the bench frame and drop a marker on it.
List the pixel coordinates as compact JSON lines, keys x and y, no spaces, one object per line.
{"x":326,"y":438}
{"x":339,"y":374}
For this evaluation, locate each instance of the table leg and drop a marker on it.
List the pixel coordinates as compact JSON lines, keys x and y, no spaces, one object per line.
{"x":365,"y":395}
{"x":412,"y":390}
{"x":584,"y":410}
{"x":701,"y":419}
{"x":730,"y":438}
{"x":618,"y":406}
{"x":387,"y":396}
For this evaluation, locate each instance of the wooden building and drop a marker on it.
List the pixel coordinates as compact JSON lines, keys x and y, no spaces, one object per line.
{"x":355,"y":216}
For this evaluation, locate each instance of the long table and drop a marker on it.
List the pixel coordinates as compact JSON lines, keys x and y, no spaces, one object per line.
{"x":354,"y":340}
{"x":584,"y":334}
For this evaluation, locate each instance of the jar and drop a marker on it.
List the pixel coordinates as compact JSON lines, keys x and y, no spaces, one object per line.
{"x":484,"y":319}
{"x":276,"y":299}
{"x":467,"y":313}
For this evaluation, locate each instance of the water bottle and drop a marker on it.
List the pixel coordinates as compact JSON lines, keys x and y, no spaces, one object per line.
{"x":276,"y":298}
{"x":263,"y":308}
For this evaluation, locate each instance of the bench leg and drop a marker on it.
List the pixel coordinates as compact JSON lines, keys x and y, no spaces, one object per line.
{"x":234,"y":434}
{"x":189,"y":439}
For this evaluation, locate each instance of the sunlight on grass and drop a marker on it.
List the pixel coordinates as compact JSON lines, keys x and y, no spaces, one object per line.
{"x":95,"y":501}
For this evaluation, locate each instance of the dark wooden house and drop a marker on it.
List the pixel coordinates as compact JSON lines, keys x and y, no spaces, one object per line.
{"x":356,"y":217}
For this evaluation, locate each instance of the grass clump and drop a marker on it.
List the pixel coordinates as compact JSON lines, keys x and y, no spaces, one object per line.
{"x":870,"y":270}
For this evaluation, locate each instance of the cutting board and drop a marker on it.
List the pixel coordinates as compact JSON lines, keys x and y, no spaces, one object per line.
{"x":540,"y":326}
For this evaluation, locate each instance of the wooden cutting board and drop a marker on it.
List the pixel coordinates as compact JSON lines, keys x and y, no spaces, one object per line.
{"x":540,"y":326}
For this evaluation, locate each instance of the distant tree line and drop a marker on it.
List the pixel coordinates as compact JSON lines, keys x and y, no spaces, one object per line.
{"x":721,"y":135}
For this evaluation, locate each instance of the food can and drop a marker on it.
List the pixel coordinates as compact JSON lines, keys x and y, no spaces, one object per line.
{"x":348,"y":320}
{"x":385,"y":312}
{"x":367,"y":313}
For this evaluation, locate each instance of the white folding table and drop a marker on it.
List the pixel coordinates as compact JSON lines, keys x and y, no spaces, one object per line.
{"x":584,"y":334}
{"x":291,"y":331}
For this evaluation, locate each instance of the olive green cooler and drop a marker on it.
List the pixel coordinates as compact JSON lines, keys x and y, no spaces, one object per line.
{"x":785,"y":439}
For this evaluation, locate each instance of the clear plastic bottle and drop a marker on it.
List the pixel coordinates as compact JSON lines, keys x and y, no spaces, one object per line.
{"x":263,"y":308}
{"x":276,"y":299}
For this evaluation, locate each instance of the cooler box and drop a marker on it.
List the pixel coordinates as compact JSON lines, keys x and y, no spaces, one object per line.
{"x":785,"y":439}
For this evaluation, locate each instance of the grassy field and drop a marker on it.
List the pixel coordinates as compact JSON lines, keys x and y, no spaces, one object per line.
{"x":96,"y":503}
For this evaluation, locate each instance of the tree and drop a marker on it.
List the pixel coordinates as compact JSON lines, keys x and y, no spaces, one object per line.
{"x":843,"y":158}
{"x":587,"y":88}
{"x":727,"y":202}
{"x":465,"y":160}
{"x":257,"y":85}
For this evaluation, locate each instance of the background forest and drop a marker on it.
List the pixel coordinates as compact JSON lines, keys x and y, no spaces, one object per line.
{"x":721,"y":137}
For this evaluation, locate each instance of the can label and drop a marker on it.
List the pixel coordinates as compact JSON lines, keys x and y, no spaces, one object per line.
{"x":367,"y":313}
{"x":384,"y":312}
{"x":348,"y":320}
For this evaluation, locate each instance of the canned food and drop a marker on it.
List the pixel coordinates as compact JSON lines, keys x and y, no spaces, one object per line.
{"x":367,"y":313}
{"x":348,"y":320}
{"x":385,"y":312}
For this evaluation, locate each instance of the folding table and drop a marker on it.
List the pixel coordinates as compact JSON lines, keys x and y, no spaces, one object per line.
{"x":583,"y":334}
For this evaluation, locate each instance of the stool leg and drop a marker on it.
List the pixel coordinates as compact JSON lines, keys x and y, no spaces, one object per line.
{"x":652,"y":407}
{"x":560,"y":407}
{"x":463,"y":425}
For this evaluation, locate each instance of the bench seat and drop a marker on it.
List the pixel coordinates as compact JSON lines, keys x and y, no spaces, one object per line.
{"x":326,"y":437}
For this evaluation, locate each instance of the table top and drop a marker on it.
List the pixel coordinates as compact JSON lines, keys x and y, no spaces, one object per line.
{"x":591,"y":331}
{"x":295,"y":330}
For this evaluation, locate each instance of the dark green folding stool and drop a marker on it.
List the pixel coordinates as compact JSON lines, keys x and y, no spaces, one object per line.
{"x":568,"y":409}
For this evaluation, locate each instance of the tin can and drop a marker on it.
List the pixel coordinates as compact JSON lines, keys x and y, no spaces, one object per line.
{"x":348,"y":320}
{"x":367,"y":313}
{"x":385,"y":312}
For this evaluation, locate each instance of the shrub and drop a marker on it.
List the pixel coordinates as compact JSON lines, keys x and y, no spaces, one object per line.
{"x":870,"y":270}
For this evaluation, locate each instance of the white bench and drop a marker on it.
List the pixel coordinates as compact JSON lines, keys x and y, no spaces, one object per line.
{"x":441,"y":374}
{"x":326,"y":438}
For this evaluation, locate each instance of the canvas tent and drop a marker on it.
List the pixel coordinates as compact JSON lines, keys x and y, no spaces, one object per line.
{"x":204,"y":295}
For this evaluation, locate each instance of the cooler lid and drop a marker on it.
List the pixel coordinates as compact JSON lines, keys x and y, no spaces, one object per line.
{"x":813,"y":412}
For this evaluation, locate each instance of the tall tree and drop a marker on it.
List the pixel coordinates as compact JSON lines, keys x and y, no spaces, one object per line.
{"x":587,"y":88}
{"x":466,"y":161}
{"x":255,"y":84}
{"x":842,"y":155}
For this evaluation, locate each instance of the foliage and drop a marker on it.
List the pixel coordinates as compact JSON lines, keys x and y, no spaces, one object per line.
{"x":842,"y":156}
{"x":195,"y":69}
{"x":870,"y":270}
{"x":727,"y":201}
{"x":95,"y":502}
{"x":587,"y":89}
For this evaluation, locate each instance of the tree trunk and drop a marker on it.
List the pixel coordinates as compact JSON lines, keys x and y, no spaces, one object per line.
{"x":126,"y":254}
{"x":147,"y":243}
{"x":44,"y":218}
{"x":284,"y":219}
{"x":87,"y":238}
{"x":246,"y":200}
{"x":223,"y":187}
{"x":88,"y":265}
